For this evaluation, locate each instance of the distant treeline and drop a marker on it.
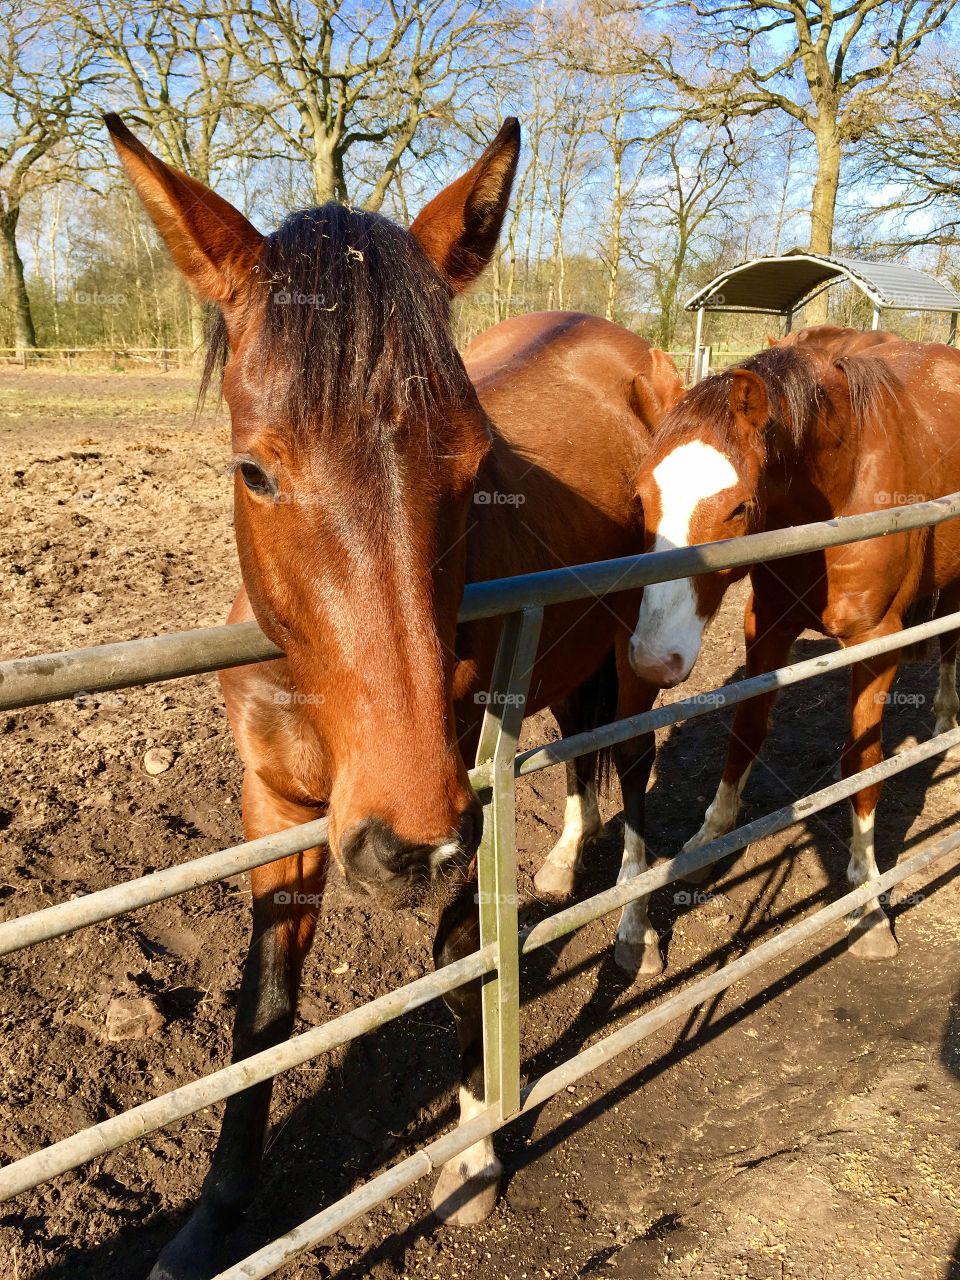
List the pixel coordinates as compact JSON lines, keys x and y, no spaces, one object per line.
{"x":664,"y":141}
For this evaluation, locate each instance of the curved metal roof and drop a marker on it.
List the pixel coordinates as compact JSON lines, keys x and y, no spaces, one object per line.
{"x":778,"y":285}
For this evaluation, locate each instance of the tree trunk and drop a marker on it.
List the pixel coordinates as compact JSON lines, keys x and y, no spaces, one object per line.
{"x":665,"y":328}
{"x":324,"y":171}
{"x":616,"y":225}
{"x":616,"y":213}
{"x":824,"y":207}
{"x":25,"y":336}
{"x":197,"y":329}
{"x":496,"y":290}
{"x":54,"y":271}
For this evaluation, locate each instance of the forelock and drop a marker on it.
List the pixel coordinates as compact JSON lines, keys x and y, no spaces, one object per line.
{"x":354,"y":322}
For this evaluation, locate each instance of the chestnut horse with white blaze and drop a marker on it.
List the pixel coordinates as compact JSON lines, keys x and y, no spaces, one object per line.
{"x":795,"y":435}
{"x":375,"y":474}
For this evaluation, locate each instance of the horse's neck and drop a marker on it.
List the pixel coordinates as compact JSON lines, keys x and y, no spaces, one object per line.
{"x":491,"y":525}
{"x":815,"y":484}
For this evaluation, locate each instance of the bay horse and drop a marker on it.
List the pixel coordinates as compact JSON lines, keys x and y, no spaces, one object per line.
{"x":793,"y":435}
{"x":375,"y":473}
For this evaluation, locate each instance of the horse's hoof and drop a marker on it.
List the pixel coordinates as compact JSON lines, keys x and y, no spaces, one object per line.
{"x":702,"y":874}
{"x":639,"y":959}
{"x":872,"y":938}
{"x":555,"y":882}
{"x":196,"y":1252}
{"x":699,"y":877}
{"x":460,"y":1202}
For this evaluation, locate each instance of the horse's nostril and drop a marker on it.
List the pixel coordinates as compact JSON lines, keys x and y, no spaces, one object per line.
{"x":358,"y":849}
{"x":372,"y":851}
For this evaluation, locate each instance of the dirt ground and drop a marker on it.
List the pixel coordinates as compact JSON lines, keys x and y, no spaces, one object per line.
{"x":803,"y":1125}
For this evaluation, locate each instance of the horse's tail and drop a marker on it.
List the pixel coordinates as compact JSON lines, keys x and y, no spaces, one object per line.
{"x":922,"y":610}
{"x":593,"y":703}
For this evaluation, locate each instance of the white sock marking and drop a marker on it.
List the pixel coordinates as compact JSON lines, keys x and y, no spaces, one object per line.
{"x":480,"y":1158}
{"x":634,"y":923}
{"x":581,"y":820}
{"x":863,"y":862}
{"x":721,"y":816}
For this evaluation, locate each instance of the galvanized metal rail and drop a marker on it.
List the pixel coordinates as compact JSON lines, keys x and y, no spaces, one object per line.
{"x":25,"y":682}
{"x":178,"y":1103}
{"x":93,"y":908}
{"x":324,"y":1224}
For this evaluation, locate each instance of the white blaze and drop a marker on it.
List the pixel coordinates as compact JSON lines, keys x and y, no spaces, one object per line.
{"x":669,"y":629}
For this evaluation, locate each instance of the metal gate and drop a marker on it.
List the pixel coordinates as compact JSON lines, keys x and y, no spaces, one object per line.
{"x":521,"y":601}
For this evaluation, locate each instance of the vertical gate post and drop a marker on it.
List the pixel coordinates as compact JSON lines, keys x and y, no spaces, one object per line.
{"x":497,"y":859}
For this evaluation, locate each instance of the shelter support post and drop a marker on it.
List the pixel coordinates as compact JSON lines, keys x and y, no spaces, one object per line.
{"x":697,"y":343}
{"x":787,"y":323}
{"x":952,"y":339}
{"x":876,"y":318}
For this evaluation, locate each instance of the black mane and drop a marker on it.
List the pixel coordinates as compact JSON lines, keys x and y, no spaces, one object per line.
{"x":355,"y":318}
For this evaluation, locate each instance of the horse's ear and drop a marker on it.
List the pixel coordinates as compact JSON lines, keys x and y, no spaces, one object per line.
{"x":459,"y":228}
{"x":771,"y":341}
{"x":211,"y":242}
{"x":666,"y":378}
{"x":656,"y":390}
{"x":748,"y":399}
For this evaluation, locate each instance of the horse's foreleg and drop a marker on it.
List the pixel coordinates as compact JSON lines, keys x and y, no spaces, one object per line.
{"x":466,"y":1191}
{"x":637,"y":948}
{"x":767,"y":647}
{"x":581,"y":821}
{"x":946,"y":703}
{"x":286,"y":899}
{"x":871,"y":936}
{"x":590,"y":704}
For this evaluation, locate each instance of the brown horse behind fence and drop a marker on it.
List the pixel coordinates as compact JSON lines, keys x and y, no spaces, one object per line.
{"x":375,"y":474}
{"x":798,"y":434}
{"x":834,"y":340}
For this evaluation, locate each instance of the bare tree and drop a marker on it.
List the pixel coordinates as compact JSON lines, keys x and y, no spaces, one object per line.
{"x":344,"y":83}
{"x":173,"y":72}
{"x":689,"y":184}
{"x":568,"y":158}
{"x":168,"y":63}
{"x":44,"y":66}
{"x":915,"y":148}
{"x":824,"y":64}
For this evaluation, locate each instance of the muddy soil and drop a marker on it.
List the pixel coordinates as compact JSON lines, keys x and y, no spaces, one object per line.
{"x":805,"y":1124}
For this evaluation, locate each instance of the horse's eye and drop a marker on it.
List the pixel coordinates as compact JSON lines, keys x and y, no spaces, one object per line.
{"x":738,"y":512}
{"x":256,"y":480}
